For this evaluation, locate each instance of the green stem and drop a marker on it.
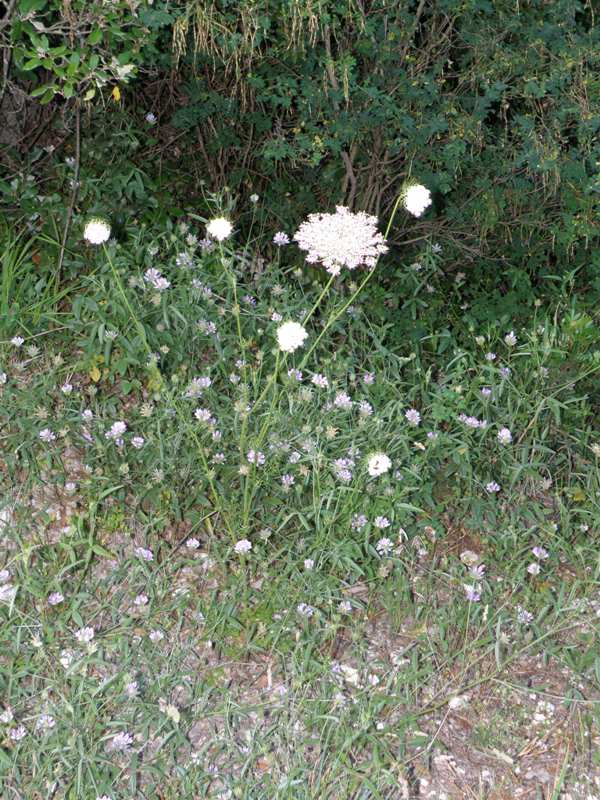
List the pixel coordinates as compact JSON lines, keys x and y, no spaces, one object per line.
{"x":316,"y":305}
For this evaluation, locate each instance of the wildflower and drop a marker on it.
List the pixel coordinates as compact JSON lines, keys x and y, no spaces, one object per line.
{"x":132,"y":689}
{"x":416,"y":199}
{"x":156,"y":280}
{"x":505,"y":372}
{"x":243,"y":546}
{"x":472,"y":422}
{"x":358,"y":522}
{"x":192,"y":544}
{"x":18,"y":733}
{"x":368,"y":378}
{"x":305,"y":610}
{"x":121,"y":742}
{"x":504,"y":436}
{"x":539,"y":552}
{"x":384,"y":546}
{"x":219,"y":228}
{"x":295,"y":374}
{"x":203,"y":414}
{"x":4,"y":576}
{"x":141,"y":600}
{"x":253,"y":198}
{"x":378,"y":464}
{"x":381,"y":522}
{"x":85,"y":635}
{"x":290,"y":336}
{"x":144,"y":553}
{"x":197,"y":386}
{"x":45,"y":722}
{"x":256,"y":457}
{"x":320,"y":380}
{"x":138,"y":442}
{"x":473,"y":593}
{"x":287,"y":480}
{"x":156,"y":636}
{"x":524,"y":616}
{"x":281,"y":239}
{"x":533,"y":568}
{"x":365,"y":409}
{"x":55,"y":598}
{"x":492,"y":487}
{"x":116,"y":430}
{"x":342,"y":468}
{"x":3,"y":378}
{"x":8,"y":592}
{"x":87,"y":415}
{"x":486,"y":391}
{"x":96,"y":231}
{"x":478,"y":571}
{"x":309,"y":563}
{"x":341,"y":240}
{"x":433,"y":435}
{"x":47,"y":435}
{"x":17,"y":341}
{"x":412,"y":416}
{"x":342,"y":400}
{"x":510,"y":339}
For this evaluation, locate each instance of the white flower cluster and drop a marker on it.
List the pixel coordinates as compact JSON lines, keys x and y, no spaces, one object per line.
{"x":343,"y":239}
{"x":96,"y":231}
{"x":219,"y":228}
{"x":417,"y":199}
{"x":290,"y":336}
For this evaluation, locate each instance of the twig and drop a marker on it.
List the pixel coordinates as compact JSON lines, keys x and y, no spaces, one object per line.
{"x":74,"y":191}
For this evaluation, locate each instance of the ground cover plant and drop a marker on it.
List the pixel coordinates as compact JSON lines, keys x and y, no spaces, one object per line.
{"x":299,"y":461}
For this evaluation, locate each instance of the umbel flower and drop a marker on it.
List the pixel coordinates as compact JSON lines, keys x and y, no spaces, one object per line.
{"x":416,"y":199}
{"x":343,"y":239}
{"x":219,"y":228}
{"x":96,"y":231}
{"x":290,"y":336}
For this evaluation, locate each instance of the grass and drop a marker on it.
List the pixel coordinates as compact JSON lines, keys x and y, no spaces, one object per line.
{"x":324,"y":662}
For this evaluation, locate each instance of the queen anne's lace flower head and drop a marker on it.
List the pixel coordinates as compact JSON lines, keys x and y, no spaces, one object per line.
{"x":343,"y":239}
{"x":96,"y":231}
{"x":416,"y":199}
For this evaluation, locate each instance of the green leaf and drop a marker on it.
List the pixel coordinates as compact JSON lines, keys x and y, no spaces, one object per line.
{"x":95,"y":36}
{"x":49,"y":94}
{"x":31,"y":64}
{"x":39,"y":90}
{"x":26,"y":6}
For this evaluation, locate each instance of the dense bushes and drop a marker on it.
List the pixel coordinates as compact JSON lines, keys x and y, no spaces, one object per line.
{"x":492,"y":105}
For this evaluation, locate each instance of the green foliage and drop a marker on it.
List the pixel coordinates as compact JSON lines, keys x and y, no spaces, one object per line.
{"x":75,"y":49}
